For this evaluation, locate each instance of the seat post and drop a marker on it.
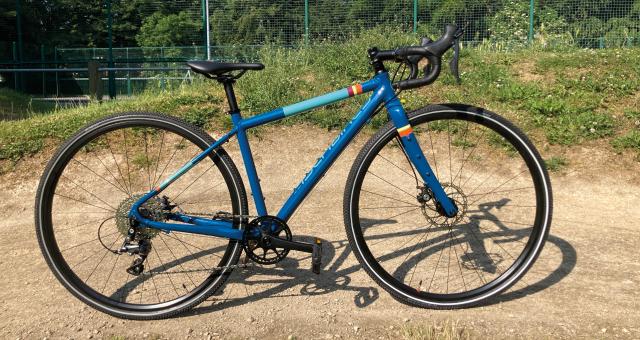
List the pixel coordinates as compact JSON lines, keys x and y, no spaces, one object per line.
{"x":231,"y":96}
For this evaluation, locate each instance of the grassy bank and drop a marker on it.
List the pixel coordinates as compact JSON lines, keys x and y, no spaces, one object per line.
{"x":563,"y":98}
{"x":14,"y":105}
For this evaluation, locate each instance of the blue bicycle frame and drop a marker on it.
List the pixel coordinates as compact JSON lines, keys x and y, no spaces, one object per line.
{"x":383,"y":93}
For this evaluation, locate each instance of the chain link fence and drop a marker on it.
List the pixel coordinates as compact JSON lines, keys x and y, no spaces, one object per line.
{"x":153,"y":33}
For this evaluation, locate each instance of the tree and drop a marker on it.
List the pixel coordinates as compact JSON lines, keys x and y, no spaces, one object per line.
{"x":168,"y":30}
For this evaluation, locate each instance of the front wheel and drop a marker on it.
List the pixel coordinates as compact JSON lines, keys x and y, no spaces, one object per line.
{"x":493,"y":174}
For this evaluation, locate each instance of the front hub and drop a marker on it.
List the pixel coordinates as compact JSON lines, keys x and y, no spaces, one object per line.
{"x":433,"y":211}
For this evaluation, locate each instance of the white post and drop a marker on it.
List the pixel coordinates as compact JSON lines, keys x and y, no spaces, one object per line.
{"x":208,"y":29}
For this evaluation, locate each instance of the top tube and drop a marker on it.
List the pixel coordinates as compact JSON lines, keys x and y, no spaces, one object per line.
{"x":309,"y":104}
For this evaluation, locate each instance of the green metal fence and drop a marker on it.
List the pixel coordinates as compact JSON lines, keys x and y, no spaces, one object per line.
{"x":117,"y":32}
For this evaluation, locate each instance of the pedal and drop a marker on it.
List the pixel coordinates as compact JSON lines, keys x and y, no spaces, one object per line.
{"x":315,"y":249}
{"x":316,"y":257}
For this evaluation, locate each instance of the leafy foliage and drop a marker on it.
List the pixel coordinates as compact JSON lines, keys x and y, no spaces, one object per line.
{"x":168,"y":30}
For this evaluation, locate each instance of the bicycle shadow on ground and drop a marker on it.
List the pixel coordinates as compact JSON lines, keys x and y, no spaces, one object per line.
{"x":289,"y":274}
{"x":568,"y":263}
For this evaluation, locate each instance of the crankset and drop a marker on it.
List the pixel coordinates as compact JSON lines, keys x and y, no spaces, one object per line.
{"x":268,"y":240}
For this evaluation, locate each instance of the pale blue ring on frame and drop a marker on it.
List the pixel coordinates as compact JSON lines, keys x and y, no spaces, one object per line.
{"x":315,"y":102}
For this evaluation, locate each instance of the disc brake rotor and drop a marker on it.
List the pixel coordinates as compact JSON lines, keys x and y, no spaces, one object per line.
{"x":432,"y":212}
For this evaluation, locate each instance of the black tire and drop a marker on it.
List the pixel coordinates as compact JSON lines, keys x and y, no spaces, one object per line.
{"x":92,"y":145}
{"x":483,"y":266}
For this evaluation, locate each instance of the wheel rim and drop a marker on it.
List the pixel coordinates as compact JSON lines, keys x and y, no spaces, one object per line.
{"x":420,"y":261}
{"x":94,"y":179}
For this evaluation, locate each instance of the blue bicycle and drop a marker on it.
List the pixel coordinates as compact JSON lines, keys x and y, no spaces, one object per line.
{"x":444,"y":207}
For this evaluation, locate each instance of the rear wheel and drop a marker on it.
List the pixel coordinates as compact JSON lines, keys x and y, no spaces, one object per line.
{"x":497,"y":180}
{"x":82,"y":208}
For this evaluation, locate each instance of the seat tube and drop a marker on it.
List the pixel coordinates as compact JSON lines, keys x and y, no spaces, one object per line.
{"x":249,"y":165}
{"x":410,"y":143}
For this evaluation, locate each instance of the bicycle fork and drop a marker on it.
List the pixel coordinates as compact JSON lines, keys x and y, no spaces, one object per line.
{"x":416,"y":156}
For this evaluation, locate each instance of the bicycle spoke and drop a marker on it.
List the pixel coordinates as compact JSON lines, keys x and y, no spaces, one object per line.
{"x":391,"y":184}
{"x":129,"y":190}
{"x":155,"y":172}
{"x":194,"y":181}
{"x":126,"y":154}
{"x":87,"y":203}
{"x":178,"y":147}
{"x":89,"y":192}
{"x":146,"y":155}
{"x":177,"y":260}
{"x":390,"y":162}
{"x":120,"y":188}
{"x":84,"y":243}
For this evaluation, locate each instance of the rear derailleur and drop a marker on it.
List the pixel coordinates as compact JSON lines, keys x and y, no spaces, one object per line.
{"x":139,"y":249}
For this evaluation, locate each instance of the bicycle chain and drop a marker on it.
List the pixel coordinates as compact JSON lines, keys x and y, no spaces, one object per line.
{"x":233,"y":266}
{"x":220,"y":214}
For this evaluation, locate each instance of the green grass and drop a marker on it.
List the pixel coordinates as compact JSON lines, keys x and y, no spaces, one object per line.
{"x":630,"y":140}
{"x":563,"y":97}
{"x":14,"y":105}
{"x":199,"y":105}
{"x":556,"y":163}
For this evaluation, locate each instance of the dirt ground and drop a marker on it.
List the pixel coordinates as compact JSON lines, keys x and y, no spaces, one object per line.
{"x":584,"y":285}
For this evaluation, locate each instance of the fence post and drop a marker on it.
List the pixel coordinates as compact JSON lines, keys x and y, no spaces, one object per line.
{"x":128,"y":74}
{"x":20,"y":54}
{"x":306,"y":22}
{"x":112,"y":80}
{"x":531,"y":12}
{"x":44,"y":79}
{"x":415,"y":16}
{"x":15,"y":65}
{"x":204,"y":24}
{"x":55,"y":61}
{"x":129,"y":90}
{"x":95,"y":80}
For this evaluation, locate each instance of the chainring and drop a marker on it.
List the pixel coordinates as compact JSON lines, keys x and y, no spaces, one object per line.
{"x":256,"y":244}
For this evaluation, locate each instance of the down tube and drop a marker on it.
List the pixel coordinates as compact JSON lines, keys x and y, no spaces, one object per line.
{"x":330,"y":155}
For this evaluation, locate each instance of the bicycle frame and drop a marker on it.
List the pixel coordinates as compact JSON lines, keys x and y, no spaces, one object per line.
{"x":383,"y":93}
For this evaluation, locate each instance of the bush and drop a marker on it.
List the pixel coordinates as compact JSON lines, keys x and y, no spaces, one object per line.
{"x":511,"y":23}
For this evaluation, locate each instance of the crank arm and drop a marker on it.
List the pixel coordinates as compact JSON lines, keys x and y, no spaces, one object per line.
{"x":291,"y":245}
{"x":315,"y":249}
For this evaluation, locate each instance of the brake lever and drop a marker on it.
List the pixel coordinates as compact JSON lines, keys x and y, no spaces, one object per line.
{"x":453,"y":64}
{"x":413,"y":60}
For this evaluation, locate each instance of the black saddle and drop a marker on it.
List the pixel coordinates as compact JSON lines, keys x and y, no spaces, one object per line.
{"x":214,"y":69}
